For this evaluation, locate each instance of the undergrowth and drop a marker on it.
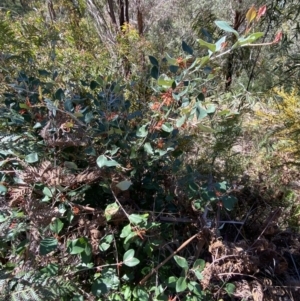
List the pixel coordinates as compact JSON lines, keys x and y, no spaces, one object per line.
{"x":134,"y":188}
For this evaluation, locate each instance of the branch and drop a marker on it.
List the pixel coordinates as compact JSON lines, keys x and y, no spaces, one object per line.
{"x":167,"y":259}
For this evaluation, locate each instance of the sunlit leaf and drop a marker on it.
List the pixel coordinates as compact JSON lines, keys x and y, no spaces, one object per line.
{"x":180,"y":121}
{"x":129,"y":259}
{"x":32,"y":158}
{"x":251,"y":14}
{"x":110,"y":210}
{"x":226,"y":27}
{"x":148,"y":148}
{"x":171,"y":60}
{"x":142,"y":132}
{"x":103,"y":161}
{"x":165,"y":81}
{"x":56,"y":226}
{"x":211,"y":47}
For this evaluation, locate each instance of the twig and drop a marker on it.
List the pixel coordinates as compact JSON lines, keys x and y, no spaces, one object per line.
{"x":167,"y":259}
{"x":240,"y":274}
{"x":116,"y":199}
{"x":86,"y":208}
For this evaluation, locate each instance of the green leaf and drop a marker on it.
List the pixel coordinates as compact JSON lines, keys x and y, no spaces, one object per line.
{"x":219,"y":43}
{"x":32,"y":158}
{"x":148,"y":148}
{"x":211,"y":47}
{"x":59,"y":94}
{"x":197,"y":290}
{"x":129,"y":259}
{"x":242,"y":41}
{"x":131,"y":235}
{"x":142,"y":132}
{"x":203,"y":61}
{"x":199,"y":111}
{"x":126,"y":231}
{"x":110,"y":210}
{"x":124,"y":185}
{"x":153,"y":60}
{"x":201,"y":97}
{"x":138,"y":218}
{"x":181,"y":284}
{"x":222,"y":186}
{"x":230,"y":288}
{"x":56,"y":226}
{"x":103,"y":161}
{"x":99,"y":287}
{"x":171,"y":281}
{"x":105,"y":242}
{"x":3,"y":189}
{"x":226,"y":27}
{"x":70,"y":165}
{"x":94,"y":85}
{"x":210,"y":109}
{"x":180,"y":121}
{"x":181,"y":261}
{"x":48,"y":245}
{"x":205,"y":129}
{"x":44,"y":72}
{"x":165,"y":81}
{"x":186,"y":48}
{"x":199,"y":264}
{"x":23,"y":106}
{"x":167,"y":127}
{"x":229,"y":202}
{"x":77,"y":246}
{"x":127,"y":293}
{"x":50,"y":269}
{"x":48,"y":192}
{"x":140,"y":294}
{"x":154,"y":72}
{"x":171,"y":60}
{"x":173,"y":68}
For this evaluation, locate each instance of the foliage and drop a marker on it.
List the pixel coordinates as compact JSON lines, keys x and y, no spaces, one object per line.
{"x":110,"y":177}
{"x":282,"y":116}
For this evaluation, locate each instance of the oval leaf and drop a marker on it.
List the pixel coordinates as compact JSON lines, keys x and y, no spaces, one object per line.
{"x":186,"y":48}
{"x":226,"y":27}
{"x":129,"y":259}
{"x":251,"y":14}
{"x":124,"y":185}
{"x":211,"y":47}
{"x":181,"y":284}
{"x":154,"y":72}
{"x":153,"y":60}
{"x":56,"y":226}
{"x":32,"y":158}
{"x":148,"y":148}
{"x":181,"y":261}
{"x":165,"y":81}
{"x":103,"y":161}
